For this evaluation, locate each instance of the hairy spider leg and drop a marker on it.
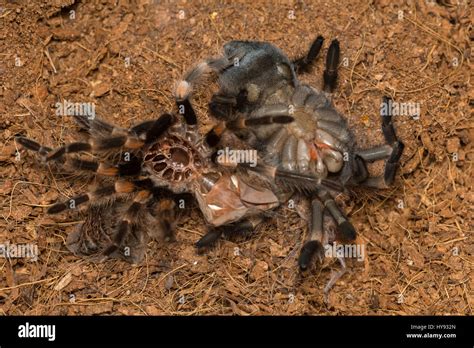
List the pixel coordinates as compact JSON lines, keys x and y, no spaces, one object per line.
{"x":303,"y":64}
{"x":346,"y":232}
{"x":154,"y":130}
{"x":131,"y":217}
{"x":332,"y":62}
{"x":97,"y":194}
{"x":314,"y":246}
{"x":392,"y":151}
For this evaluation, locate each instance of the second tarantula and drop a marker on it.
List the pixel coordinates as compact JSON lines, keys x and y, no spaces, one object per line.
{"x":257,"y":78}
{"x":137,"y":195}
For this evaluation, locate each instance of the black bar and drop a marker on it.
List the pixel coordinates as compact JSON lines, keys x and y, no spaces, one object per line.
{"x":313,"y":330}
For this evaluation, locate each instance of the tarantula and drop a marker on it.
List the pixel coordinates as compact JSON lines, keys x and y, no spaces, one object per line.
{"x":257,"y":78}
{"x":137,"y":196}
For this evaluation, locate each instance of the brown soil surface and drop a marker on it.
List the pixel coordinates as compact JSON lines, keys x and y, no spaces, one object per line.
{"x":418,"y":235}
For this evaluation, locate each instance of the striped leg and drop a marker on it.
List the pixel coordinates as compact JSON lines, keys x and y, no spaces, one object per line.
{"x":129,"y":141}
{"x":99,"y":128}
{"x":99,"y":193}
{"x":132,"y":216}
{"x":347,"y":233}
{"x":185,"y":87}
{"x":314,"y":246}
{"x":32,"y":145}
